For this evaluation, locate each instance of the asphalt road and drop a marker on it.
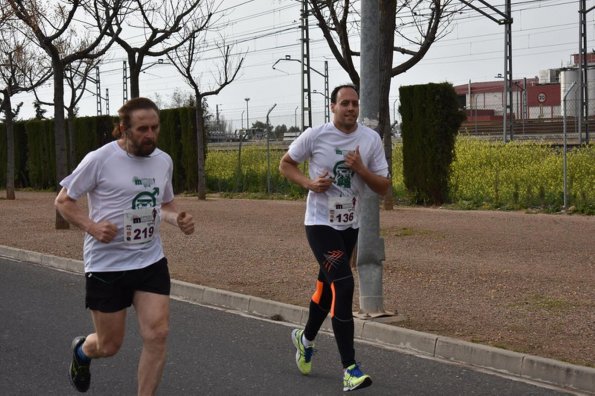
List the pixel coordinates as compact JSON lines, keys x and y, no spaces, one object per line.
{"x":211,"y":352}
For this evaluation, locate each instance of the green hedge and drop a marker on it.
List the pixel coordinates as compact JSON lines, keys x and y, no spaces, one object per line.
{"x":21,"y":175}
{"x":491,"y":175}
{"x":430,"y":120}
{"x":91,"y":132}
{"x":35,"y":163}
{"x":41,"y":154}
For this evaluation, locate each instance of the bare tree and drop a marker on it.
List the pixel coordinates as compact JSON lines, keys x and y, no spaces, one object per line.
{"x":418,"y":24}
{"x":77,"y":75}
{"x":415,"y":24}
{"x":165,"y":25}
{"x":56,"y":26}
{"x":386,"y":42}
{"x":22,"y":69}
{"x":332,"y":17}
{"x":185,"y":59}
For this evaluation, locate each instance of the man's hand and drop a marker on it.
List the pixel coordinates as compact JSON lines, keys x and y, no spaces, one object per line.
{"x":353,"y":161}
{"x":185,"y":222}
{"x":103,"y":231}
{"x":321,"y":183}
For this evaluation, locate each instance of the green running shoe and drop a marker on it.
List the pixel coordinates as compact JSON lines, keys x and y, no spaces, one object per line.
{"x":303,"y":355}
{"x":80,"y":375}
{"x":354,"y":379}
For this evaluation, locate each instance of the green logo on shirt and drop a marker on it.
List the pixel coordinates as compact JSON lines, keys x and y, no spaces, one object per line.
{"x":145,"y":182}
{"x":145,"y":199}
{"x":343,"y":175}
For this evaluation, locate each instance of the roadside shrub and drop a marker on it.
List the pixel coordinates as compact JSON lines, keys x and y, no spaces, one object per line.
{"x":484,"y":174}
{"x":431,"y":120}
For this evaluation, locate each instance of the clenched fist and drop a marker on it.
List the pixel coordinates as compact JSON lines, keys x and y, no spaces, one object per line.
{"x":185,"y":222}
{"x":104,"y":231}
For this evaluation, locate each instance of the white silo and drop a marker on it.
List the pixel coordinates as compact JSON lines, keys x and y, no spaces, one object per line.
{"x":567,"y":77}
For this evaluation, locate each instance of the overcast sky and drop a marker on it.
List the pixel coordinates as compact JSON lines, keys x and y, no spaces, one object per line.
{"x":545,"y":34}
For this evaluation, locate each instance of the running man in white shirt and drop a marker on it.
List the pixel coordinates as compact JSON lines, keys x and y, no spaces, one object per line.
{"x":128,"y":184}
{"x":343,"y":158}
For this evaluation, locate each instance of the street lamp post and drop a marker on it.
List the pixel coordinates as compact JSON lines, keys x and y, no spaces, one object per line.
{"x":125,"y":75}
{"x":247,"y":115}
{"x":217,"y":112}
{"x":243,"y":111}
{"x":475,"y":108}
{"x":520,"y":100}
{"x":269,"y":151}
{"x":326,"y":88}
{"x":565,"y":146}
{"x":327,"y":116}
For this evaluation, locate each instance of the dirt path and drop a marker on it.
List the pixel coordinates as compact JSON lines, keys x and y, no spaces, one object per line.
{"x":524,"y":282}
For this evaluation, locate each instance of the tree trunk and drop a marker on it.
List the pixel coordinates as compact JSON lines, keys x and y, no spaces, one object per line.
{"x":8,"y":123}
{"x":71,"y":138}
{"x":134,"y":68}
{"x":59,"y":135}
{"x":386,"y":40}
{"x":200,"y":143}
{"x":388,"y":200}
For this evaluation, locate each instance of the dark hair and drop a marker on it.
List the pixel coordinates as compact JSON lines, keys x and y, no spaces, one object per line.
{"x":339,"y":87}
{"x":126,"y":111}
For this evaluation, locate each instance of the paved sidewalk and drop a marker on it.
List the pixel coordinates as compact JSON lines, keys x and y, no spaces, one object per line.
{"x":578,"y":378}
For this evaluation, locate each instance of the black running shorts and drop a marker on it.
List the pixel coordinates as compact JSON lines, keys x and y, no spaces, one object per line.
{"x":114,"y":291}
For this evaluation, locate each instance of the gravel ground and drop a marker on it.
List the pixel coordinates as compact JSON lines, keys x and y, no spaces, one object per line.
{"x":524,"y":282}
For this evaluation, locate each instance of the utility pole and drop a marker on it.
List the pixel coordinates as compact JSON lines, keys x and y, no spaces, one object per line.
{"x":269,"y":151}
{"x":306,"y":99}
{"x":370,"y":249}
{"x":97,"y":93}
{"x":247,"y":115}
{"x":98,"y":90}
{"x":506,"y":20}
{"x":107,"y":101}
{"x":307,"y":91}
{"x":124,"y":83}
{"x":508,"y":72}
{"x":583,"y":74}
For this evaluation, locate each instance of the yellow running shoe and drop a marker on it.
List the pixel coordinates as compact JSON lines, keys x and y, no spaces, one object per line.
{"x":354,"y":379}
{"x":303,"y":355}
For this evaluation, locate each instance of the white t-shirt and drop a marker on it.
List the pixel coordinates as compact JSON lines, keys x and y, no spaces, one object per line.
{"x":325,"y":147}
{"x":127,"y":191}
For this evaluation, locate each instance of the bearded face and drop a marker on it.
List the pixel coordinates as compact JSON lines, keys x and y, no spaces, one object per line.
{"x":141,"y":137}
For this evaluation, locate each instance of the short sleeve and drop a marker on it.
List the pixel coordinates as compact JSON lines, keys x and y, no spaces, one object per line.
{"x":84,"y":178}
{"x":301,"y":148}
{"x":378,"y":164}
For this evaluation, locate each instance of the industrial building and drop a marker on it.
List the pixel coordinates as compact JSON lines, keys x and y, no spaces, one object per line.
{"x":537,"y":102}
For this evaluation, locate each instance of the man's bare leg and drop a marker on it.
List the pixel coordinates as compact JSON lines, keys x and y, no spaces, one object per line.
{"x":153,"y":318}
{"x":108,"y":336}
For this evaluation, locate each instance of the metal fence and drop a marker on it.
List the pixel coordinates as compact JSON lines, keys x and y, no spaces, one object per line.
{"x":485,"y":119}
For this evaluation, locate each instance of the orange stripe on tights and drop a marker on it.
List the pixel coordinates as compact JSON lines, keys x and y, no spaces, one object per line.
{"x":318,"y":292}
{"x":333,"y":303}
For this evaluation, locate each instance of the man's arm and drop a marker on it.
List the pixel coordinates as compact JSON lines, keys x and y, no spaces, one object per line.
{"x":169,"y":214}
{"x":378,"y":184}
{"x":69,"y":209}
{"x":289,"y":168}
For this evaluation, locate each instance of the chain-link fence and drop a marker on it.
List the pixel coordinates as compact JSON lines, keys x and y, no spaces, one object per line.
{"x":540,"y":117}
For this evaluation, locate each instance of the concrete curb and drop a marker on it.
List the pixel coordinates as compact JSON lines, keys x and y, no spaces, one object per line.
{"x":549,"y":371}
